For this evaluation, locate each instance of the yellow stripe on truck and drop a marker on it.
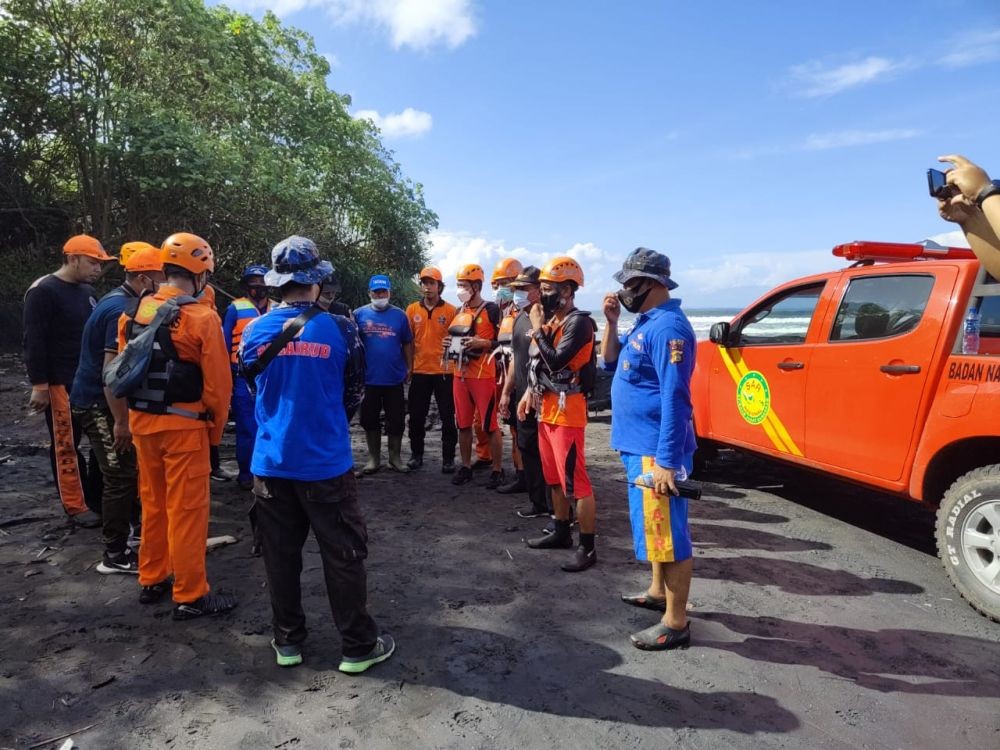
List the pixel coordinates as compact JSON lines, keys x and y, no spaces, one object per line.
{"x":772,"y":424}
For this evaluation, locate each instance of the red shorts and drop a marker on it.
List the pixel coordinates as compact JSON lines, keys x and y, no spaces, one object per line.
{"x":475,"y":395}
{"x":563,"y":458}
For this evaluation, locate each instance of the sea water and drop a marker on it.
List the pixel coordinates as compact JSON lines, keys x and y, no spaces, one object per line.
{"x":703,"y":319}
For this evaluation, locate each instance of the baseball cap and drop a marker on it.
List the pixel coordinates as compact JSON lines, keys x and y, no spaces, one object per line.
{"x":643,"y":262}
{"x":528,"y":277}
{"x":431,"y":273}
{"x":143,"y":259}
{"x":379,"y":281}
{"x":84,"y":244}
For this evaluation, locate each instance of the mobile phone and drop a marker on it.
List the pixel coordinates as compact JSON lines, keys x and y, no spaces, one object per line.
{"x":937,"y":184}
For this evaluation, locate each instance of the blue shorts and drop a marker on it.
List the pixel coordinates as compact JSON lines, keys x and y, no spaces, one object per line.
{"x":660,"y":530}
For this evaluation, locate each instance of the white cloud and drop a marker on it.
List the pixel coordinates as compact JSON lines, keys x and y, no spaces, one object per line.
{"x":848,"y":138}
{"x":408,"y":123}
{"x":418,"y":24}
{"x":816,"y":79}
{"x":452,"y":250}
{"x":743,"y":271}
{"x":975,"y":48}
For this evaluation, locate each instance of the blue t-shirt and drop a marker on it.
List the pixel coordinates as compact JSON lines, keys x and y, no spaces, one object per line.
{"x":100,"y":335}
{"x":651,"y":389}
{"x":301,"y":415}
{"x":384,"y":332}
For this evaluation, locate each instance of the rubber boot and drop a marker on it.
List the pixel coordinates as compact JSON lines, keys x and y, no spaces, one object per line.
{"x":561,"y":538}
{"x":374,"y":438}
{"x":395,"y":460}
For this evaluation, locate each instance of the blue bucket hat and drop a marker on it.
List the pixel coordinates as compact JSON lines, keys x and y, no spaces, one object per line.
{"x":296,"y":259}
{"x":648,"y":264}
{"x":379,"y":281}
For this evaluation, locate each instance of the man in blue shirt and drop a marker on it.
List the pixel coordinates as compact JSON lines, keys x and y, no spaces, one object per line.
{"x":385,"y":332}
{"x":651,"y":427}
{"x":302,"y":463}
{"x":104,"y":418}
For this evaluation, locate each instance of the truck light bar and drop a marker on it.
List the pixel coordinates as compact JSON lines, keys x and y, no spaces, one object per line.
{"x":900,"y":251}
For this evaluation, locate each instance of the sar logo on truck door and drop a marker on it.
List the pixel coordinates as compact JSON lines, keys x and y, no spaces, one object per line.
{"x":753,"y":397}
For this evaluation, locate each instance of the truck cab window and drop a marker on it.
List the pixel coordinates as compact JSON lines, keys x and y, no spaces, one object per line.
{"x":876,"y":307}
{"x":783,"y":319}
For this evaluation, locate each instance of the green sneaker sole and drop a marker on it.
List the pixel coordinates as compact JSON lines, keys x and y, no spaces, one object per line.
{"x":286,"y":661}
{"x":356,"y":667}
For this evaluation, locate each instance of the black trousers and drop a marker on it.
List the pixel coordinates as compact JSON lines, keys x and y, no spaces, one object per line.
{"x":527,"y":443}
{"x":90,"y":471}
{"x":384,"y":397}
{"x":422,"y":387}
{"x":286,"y":510}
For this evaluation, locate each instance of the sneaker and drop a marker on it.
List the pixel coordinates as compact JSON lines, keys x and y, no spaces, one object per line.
{"x":515,"y":487}
{"x":221,"y":475}
{"x":462,"y":476}
{"x":448,"y":467}
{"x":384,"y":647}
{"x":533,"y":512}
{"x":123,"y":562}
{"x":209,"y":604}
{"x":153,"y":594}
{"x":495,"y":480}
{"x":415,"y":462}
{"x":87,"y":519}
{"x":581,"y":560}
{"x":289,"y":655}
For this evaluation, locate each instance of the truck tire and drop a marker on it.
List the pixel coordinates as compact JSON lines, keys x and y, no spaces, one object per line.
{"x":968,"y":538}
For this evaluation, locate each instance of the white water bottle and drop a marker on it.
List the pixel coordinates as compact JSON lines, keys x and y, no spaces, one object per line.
{"x":970,"y":337}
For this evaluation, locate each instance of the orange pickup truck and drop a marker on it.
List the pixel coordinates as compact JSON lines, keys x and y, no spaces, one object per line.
{"x":859,"y":373}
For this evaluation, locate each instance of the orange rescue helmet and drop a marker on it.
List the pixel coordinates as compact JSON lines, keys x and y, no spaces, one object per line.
{"x":431,"y":273}
{"x":143,"y":259}
{"x":130,"y":248}
{"x":560,"y":269}
{"x":189,"y":251}
{"x":84,"y":244}
{"x":508,"y":268}
{"x":470,"y":272}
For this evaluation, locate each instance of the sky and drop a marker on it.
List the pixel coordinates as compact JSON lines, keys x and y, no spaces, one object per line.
{"x":743,"y":140}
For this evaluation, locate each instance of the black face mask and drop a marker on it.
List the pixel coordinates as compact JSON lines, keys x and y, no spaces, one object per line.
{"x":550,"y":302}
{"x":257,"y":293}
{"x":632,"y":300}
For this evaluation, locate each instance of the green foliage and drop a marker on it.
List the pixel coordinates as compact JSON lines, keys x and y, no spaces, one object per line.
{"x":132,"y":119}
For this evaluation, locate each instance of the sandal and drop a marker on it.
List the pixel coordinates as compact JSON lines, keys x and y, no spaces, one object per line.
{"x":661,"y":638}
{"x":645,"y":601}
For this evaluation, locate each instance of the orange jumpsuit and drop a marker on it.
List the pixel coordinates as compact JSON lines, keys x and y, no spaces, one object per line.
{"x":172,"y":453}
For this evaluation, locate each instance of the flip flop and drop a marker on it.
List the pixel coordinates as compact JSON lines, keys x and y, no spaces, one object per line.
{"x":661,"y":638}
{"x":645,"y":601}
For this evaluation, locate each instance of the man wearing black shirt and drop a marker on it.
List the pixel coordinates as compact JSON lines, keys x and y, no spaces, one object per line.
{"x":526,"y":292}
{"x":56,"y":308}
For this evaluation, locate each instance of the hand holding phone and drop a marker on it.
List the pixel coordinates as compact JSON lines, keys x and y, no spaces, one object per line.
{"x":937,"y":185}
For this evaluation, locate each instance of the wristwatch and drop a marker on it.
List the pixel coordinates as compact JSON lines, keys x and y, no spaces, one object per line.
{"x":993,"y":188}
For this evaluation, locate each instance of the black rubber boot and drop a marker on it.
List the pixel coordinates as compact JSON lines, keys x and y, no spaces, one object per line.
{"x":561,"y":538}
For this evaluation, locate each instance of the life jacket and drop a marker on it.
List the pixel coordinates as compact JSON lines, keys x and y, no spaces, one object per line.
{"x":462,"y":326}
{"x":246,"y":311}
{"x":169,"y":379}
{"x":565,"y":381}
{"x":504,"y":351}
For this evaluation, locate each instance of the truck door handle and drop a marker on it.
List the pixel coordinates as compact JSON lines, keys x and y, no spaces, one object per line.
{"x":791,"y":365}
{"x":900,"y":369}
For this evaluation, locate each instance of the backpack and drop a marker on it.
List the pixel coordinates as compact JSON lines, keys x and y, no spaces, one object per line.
{"x":126,"y":373}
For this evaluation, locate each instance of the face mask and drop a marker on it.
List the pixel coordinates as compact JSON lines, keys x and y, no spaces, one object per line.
{"x":551,"y":302}
{"x":632,"y":300}
{"x":464,"y":295}
{"x":521,"y":300}
{"x":504,"y":295}
{"x":257,"y":293}
{"x":380,"y":304}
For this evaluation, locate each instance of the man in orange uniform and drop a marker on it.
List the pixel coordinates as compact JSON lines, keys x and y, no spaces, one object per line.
{"x":471,"y":337}
{"x":429,"y":320}
{"x":504,"y":274}
{"x":180,"y":410}
{"x":562,"y":355}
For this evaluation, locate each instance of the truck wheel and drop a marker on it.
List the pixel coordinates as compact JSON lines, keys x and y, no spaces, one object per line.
{"x":968,"y":538}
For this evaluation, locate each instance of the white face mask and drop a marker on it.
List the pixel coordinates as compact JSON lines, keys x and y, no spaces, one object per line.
{"x":464,"y":295}
{"x":380,"y":304}
{"x":521,"y":300}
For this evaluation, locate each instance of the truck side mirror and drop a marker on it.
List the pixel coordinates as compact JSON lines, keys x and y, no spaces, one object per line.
{"x":719,"y":334}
